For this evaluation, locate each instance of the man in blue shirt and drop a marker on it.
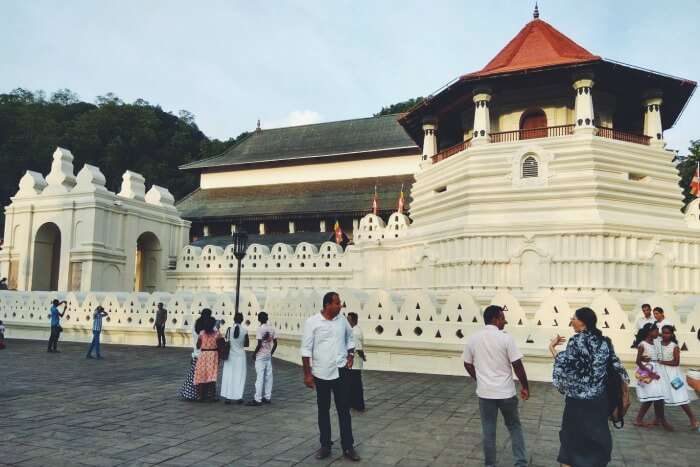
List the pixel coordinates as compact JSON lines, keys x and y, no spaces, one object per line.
{"x":56,"y":324}
{"x":96,"y":330}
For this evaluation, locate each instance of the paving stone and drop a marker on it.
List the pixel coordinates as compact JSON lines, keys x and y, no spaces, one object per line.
{"x":65,"y":410}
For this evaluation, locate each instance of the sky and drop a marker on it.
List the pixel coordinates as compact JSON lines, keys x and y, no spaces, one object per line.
{"x":294,"y":62}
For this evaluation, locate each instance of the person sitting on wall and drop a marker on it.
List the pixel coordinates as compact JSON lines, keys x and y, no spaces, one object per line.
{"x":56,"y":328}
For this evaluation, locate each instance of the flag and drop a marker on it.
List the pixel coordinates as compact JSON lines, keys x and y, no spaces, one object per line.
{"x":695,"y":183}
{"x":401,"y":201}
{"x":338,"y":233}
{"x":375,"y":202}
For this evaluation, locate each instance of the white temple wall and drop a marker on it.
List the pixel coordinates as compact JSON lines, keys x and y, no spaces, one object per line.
{"x":376,"y":167}
{"x":412,"y":331}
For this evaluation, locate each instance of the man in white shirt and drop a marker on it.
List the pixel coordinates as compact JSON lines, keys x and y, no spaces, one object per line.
{"x":488,"y":356}
{"x":645,"y":318}
{"x":327,"y":353}
{"x":357,"y":396}
{"x":660,"y":319}
{"x":262,"y":356}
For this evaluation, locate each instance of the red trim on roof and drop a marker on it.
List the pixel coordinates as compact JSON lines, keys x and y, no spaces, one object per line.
{"x":537,"y":45}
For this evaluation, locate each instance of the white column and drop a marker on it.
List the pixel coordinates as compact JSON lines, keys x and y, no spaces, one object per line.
{"x":652,"y":121}
{"x":261,"y":228}
{"x":322,"y":225}
{"x":355,"y":225}
{"x":482,"y":118}
{"x":234,"y":229}
{"x":430,"y":145}
{"x":292,"y":227}
{"x":205,"y":230}
{"x":584,"y":121}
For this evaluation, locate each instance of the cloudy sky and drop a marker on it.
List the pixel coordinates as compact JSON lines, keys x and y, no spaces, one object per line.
{"x":292,"y":62}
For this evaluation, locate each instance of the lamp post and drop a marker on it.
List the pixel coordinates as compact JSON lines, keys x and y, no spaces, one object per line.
{"x":240,"y":243}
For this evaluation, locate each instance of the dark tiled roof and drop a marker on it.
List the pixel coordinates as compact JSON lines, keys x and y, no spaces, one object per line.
{"x":315,"y":238}
{"x":290,"y":200}
{"x":346,"y":137}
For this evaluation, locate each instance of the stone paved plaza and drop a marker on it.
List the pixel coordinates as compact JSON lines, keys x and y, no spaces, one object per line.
{"x":61,"y":409}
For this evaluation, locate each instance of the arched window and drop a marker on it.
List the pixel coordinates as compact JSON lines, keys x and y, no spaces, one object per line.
{"x":530,"y":167}
{"x":533,"y":124}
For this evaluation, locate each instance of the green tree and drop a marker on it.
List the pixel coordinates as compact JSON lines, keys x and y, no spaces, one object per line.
{"x":400,"y":107}
{"x":687,"y":168}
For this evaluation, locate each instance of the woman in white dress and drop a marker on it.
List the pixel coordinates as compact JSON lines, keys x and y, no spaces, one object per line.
{"x":675,"y":386}
{"x":649,"y":386}
{"x":234,"y":372}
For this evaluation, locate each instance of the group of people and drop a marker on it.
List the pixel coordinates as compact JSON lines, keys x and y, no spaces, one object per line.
{"x":660,"y":381}
{"x":588,"y":373}
{"x":332,"y":357}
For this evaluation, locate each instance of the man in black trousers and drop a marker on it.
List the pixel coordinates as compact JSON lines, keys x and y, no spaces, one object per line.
{"x":327,"y":353}
{"x":159,"y":325}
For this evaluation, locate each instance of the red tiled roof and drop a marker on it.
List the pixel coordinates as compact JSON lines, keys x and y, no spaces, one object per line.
{"x":537,"y":45}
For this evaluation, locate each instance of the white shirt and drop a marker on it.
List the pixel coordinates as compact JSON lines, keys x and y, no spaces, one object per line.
{"x":642,"y":321}
{"x":661,"y":324}
{"x":327,"y":343}
{"x":359,"y":339}
{"x":492,"y":353}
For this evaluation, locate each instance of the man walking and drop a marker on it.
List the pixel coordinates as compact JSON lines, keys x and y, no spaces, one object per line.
{"x":56,"y":324}
{"x":159,"y":325}
{"x":262,"y":355}
{"x":489,"y":355}
{"x":96,"y":330}
{"x":327,"y":353}
{"x":357,"y":396}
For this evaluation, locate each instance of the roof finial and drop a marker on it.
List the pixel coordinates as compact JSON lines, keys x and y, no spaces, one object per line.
{"x":536,"y":13}
{"x":257,"y":128}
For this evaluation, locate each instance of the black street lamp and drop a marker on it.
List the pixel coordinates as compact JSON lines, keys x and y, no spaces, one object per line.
{"x":239,"y":241}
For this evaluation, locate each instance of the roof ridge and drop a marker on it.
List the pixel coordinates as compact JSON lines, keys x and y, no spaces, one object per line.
{"x":328,"y":123}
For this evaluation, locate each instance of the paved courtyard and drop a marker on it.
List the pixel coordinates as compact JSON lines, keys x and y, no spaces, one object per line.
{"x":61,"y":409}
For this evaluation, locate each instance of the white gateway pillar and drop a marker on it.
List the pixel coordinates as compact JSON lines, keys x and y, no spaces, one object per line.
{"x":652,"y":120}
{"x":482,"y":117}
{"x":430,"y":145}
{"x":585,"y":115}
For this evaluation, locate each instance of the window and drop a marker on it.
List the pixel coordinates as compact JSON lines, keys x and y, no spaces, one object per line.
{"x":530,"y":167}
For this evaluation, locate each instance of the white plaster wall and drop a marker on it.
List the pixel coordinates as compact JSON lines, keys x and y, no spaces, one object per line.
{"x":361,"y":168}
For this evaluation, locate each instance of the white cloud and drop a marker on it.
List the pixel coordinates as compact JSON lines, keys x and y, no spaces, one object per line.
{"x":295,"y":118}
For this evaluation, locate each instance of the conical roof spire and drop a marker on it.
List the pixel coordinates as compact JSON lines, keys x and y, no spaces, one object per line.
{"x":536,"y":13}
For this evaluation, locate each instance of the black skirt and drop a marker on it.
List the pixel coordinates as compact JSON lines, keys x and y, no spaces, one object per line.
{"x":188,"y":391}
{"x":585,"y":434}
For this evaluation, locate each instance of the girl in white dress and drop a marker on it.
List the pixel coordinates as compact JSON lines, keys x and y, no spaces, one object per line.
{"x":675,"y":386}
{"x":649,"y":386}
{"x":234,"y":372}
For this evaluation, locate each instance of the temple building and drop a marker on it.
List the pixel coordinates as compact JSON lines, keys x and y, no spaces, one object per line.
{"x":292,"y":184}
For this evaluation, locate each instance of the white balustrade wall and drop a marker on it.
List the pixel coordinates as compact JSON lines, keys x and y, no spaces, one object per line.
{"x":412,"y":331}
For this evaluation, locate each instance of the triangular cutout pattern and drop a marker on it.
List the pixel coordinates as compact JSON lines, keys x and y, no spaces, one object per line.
{"x":430,"y":319}
{"x":417,"y":306}
{"x":369,"y":316}
{"x":605,"y":311}
{"x":459,"y":307}
{"x":556,"y":323}
{"x":606,"y":325}
{"x":417,"y":317}
{"x":622,"y":326}
{"x":684,"y":347}
{"x":379,"y":305}
{"x":398,"y":333}
{"x":530,"y":340}
{"x":438,"y":335}
{"x":447,"y":319}
{"x":520,"y":322}
{"x":556,"y":310}
{"x":539,"y":323}
{"x":692,"y":329}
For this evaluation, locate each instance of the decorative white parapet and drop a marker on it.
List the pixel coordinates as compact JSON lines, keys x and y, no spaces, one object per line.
{"x":583,"y":105}
{"x":90,"y":180}
{"x":61,"y":178}
{"x":409,"y":330}
{"x":160,"y":197}
{"x":133,"y":186}
{"x":692,"y":214}
{"x":31,"y":184}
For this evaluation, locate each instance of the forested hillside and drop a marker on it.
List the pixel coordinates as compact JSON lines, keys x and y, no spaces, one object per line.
{"x":109,"y":133}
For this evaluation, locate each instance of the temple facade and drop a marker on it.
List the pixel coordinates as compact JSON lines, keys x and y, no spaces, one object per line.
{"x":292,"y":184}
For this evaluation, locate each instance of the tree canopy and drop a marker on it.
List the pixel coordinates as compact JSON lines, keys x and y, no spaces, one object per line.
{"x":687,"y":169}
{"x":399,"y":107}
{"x":109,"y":133}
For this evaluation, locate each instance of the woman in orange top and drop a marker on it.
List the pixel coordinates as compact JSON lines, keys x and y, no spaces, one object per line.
{"x":207,"y":369}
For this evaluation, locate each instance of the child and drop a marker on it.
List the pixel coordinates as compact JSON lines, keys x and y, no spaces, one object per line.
{"x":2,"y":336}
{"x":675,"y":389}
{"x":649,"y":388}
{"x":267,"y":344}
